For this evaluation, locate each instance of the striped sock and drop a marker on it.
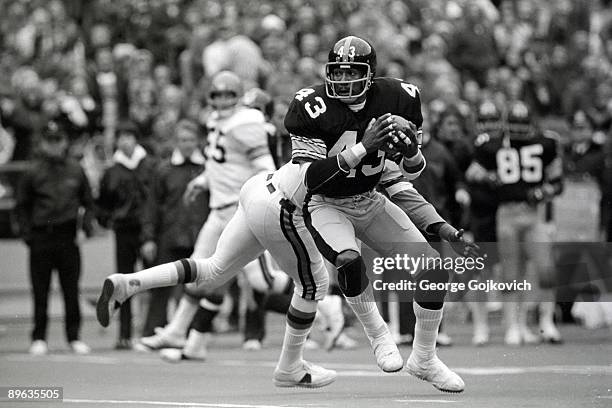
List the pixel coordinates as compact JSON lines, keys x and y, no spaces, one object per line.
{"x":168,"y":274}
{"x":300,"y":317}
{"x":425,"y":331}
{"x":365,"y":308}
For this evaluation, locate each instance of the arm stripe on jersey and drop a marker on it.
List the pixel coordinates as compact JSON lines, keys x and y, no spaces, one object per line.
{"x":257,"y":151}
{"x":318,"y":142}
{"x":309,"y":287}
{"x":298,"y":153}
{"x":263,"y":265}
{"x":390,"y":182}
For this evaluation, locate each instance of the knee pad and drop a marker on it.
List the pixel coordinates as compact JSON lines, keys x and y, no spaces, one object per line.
{"x":352,"y":277}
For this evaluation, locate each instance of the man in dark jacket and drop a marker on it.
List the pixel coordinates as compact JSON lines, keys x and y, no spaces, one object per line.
{"x":49,"y":198}
{"x":169,"y":228}
{"x":123,"y":193}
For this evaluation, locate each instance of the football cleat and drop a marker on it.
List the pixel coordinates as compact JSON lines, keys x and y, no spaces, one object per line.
{"x":113,"y":294}
{"x":252,"y":345}
{"x":387,"y":354}
{"x":39,"y":348}
{"x":173,"y":355}
{"x":481,"y":336}
{"x":550,"y":333}
{"x":307,"y":375}
{"x":435,"y":372}
{"x":163,"y":339}
{"x":80,"y":348}
{"x":513,"y":336}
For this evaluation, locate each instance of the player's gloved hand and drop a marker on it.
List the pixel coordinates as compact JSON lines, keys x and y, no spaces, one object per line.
{"x":378,"y":132}
{"x":459,"y":244}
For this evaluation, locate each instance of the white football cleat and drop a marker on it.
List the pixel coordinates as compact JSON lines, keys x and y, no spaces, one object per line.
{"x":163,"y":339}
{"x":387,"y":354}
{"x":435,"y":372}
{"x":252,"y":345}
{"x":529,"y":337}
{"x":174,"y":355}
{"x":113,"y":294}
{"x":38,"y":348}
{"x":80,"y":348}
{"x":550,"y":333}
{"x":513,"y":336}
{"x":307,"y":375}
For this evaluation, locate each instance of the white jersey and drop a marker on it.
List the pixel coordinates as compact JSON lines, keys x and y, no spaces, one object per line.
{"x":234,"y":143}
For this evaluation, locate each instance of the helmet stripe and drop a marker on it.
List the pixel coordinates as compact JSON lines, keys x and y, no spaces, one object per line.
{"x":346,"y":48}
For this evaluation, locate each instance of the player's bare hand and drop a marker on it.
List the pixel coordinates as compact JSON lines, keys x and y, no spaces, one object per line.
{"x":378,"y":132}
{"x":149,"y":251}
{"x":462,"y":246}
{"x":193,"y":190}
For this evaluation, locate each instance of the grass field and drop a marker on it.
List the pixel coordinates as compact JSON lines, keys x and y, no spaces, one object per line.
{"x":576,"y":374}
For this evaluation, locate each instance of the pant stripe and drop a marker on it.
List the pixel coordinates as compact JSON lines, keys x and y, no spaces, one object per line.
{"x":326,"y":250}
{"x":263,"y":265}
{"x":309,"y":288}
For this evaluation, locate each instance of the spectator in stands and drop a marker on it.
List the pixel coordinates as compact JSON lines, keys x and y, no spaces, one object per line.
{"x":123,"y":194}
{"x":49,"y":199}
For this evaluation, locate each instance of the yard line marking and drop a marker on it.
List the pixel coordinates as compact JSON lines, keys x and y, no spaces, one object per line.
{"x":172,"y":404}
{"x":431,"y":401}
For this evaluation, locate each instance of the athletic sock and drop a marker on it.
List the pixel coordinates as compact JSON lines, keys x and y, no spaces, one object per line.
{"x":168,"y":274}
{"x":425,"y":331}
{"x":300,"y":317}
{"x":365,"y":308}
{"x":183,"y":316}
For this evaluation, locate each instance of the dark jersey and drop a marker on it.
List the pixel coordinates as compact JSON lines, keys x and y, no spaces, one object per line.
{"x":519,"y":164}
{"x":322,"y":127}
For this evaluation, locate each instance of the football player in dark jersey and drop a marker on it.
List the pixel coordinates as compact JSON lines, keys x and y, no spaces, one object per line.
{"x":527,"y":170}
{"x":343,"y":130}
{"x":483,"y":208}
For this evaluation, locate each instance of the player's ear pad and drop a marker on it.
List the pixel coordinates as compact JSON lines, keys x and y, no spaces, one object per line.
{"x":352,"y":277}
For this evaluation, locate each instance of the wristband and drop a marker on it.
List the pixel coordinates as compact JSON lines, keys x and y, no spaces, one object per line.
{"x":353,"y":156}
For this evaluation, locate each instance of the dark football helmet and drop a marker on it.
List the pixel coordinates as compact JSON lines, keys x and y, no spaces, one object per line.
{"x":350,"y":68}
{"x":225,"y":92}
{"x":488,"y":118}
{"x":519,"y":121}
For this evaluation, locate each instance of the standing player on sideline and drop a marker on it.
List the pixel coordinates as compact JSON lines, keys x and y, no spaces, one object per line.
{"x":237,"y":149}
{"x":327,"y":124}
{"x":528,"y":171}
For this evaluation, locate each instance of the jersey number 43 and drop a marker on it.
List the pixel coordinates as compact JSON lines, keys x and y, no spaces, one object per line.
{"x":347,"y":140}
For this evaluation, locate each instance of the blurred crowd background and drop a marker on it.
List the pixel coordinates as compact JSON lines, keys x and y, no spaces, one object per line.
{"x":94,"y":64}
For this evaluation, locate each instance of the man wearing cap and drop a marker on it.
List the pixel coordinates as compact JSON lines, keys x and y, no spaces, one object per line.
{"x":49,"y":198}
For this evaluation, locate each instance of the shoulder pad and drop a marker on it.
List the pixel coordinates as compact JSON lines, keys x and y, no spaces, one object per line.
{"x":243,"y":116}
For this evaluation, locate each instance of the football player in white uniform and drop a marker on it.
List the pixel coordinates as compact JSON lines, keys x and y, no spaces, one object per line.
{"x":237,"y":149}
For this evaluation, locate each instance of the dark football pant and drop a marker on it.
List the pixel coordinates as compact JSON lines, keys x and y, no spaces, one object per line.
{"x":48,"y":252}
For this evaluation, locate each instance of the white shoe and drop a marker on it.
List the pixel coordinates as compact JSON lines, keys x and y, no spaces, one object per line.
{"x":481,"y":336}
{"x":513,"y":336}
{"x":550,"y":333}
{"x":163,"y":339}
{"x":113,"y":294}
{"x":174,"y":355}
{"x":251,"y":345}
{"x":387,"y":355}
{"x":435,"y":372}
{"x":444,"y":340}
{"x":80,"y":348}
{"x":38,"y":348}
{"x":307,"y":375}
{"x":529,"y":337}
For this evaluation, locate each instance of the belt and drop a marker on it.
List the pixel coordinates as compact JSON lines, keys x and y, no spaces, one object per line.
{"x":286,"y":204}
